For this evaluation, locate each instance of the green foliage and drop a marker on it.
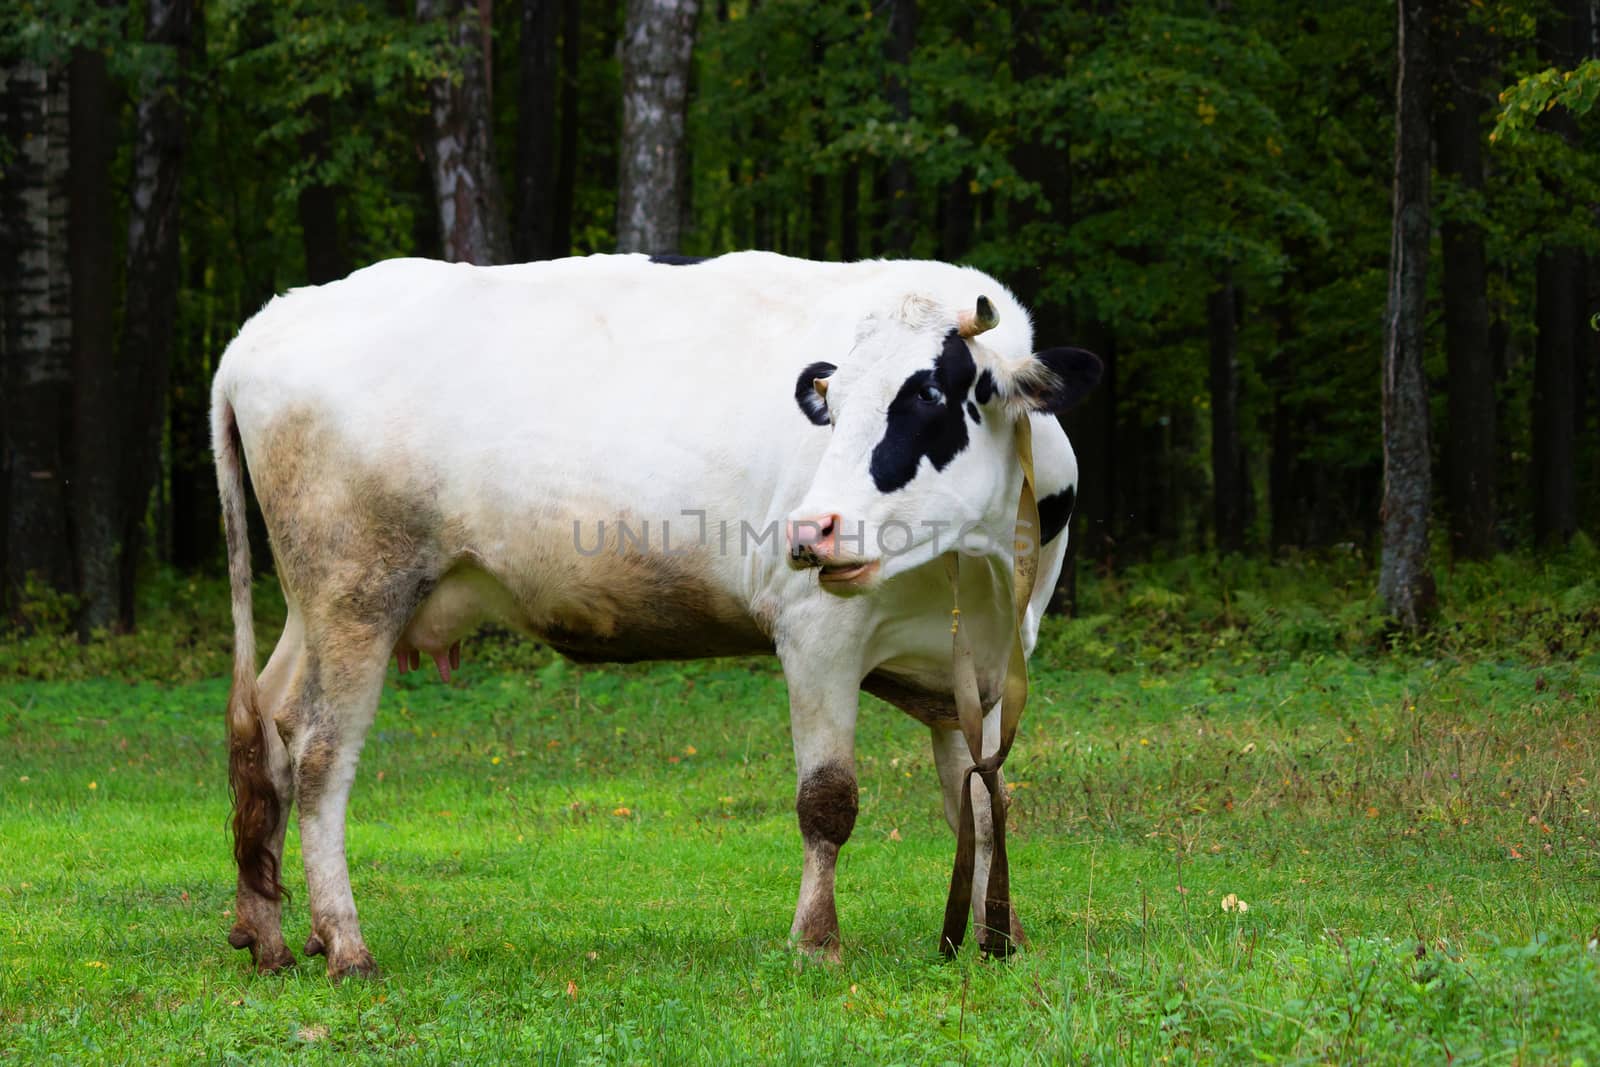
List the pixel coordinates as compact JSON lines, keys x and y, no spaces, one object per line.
{"x":1534,"y":94}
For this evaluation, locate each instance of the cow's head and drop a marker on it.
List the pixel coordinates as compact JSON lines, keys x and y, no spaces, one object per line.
{"x":923,"y":418}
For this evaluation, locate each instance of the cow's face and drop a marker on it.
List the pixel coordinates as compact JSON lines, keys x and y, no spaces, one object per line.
{"x":922,"y":458}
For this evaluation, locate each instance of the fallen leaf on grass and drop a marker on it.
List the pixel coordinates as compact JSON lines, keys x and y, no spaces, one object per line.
{"x":572,"y":989}
{"x":622,"y":813}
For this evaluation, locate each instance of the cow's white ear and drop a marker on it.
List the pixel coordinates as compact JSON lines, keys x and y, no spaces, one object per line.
{"x":1053,"y":381}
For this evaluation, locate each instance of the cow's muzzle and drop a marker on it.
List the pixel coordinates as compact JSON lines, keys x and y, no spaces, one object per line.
{"x":814,"y":544}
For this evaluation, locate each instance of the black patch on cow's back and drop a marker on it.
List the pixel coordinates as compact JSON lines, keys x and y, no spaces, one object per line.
{"x":672,"y":259}
{"x":1055,"y":511}
{"x":918,"y":428}
{"x":805,"y":393}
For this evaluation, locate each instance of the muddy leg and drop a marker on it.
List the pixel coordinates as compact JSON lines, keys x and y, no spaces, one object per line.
{"x":952,"y":757}
{"x":258,"y":923}
{"x":824,"y":726}
{"x":339,"y":700}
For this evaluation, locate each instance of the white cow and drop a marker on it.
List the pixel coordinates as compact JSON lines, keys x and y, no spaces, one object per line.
{"x":626,"y":459}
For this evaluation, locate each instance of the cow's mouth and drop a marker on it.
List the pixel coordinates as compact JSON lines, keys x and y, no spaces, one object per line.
{"x":849,"y":575}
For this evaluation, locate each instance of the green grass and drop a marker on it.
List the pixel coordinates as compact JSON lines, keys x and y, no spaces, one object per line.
{"x":563,"y":864}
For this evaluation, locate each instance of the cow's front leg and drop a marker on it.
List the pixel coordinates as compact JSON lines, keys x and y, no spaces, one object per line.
{"x":823,"y":720}
{"x":952,"y":756}
{"x":340,"y":702}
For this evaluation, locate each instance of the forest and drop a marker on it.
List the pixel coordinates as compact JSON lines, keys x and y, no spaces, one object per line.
{"x":1208,"y":195}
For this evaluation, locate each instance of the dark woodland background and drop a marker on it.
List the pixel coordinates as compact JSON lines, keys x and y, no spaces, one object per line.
{"x":1274,"y":221}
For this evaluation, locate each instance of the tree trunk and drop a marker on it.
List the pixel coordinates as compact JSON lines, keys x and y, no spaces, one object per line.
{"x":1285,"y":515}
{"x":34,"y":378}
{"x":460,"y":143}
{"x":1227,"y":457}
{"x":657,"y":54}
{"x":900,"y":230}
{"x":91,"y":254}
{"x":318,"y":202}
{"x":1404,"y":579}
{"x":1470,"y":444}
{"x":534,"y":233}
{"x":567,"y":159}
{"x":152,"y":285}
{"x":955,"y":218}
{"x":1559,"y":299}
{"x":817,"y":216}
{"x":850,"y":214}
{"x":1555,"y":516}
{"x":196,"y":519}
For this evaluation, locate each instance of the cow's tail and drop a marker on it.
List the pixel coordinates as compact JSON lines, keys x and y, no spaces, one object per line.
{"x":256,"y":806}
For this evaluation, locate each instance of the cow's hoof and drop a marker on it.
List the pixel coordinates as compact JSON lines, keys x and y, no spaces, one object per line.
{"x":273,"y":960}
{"x":268,"y":958}
{"x":826,"y":951}
{"x":355,"y":965}
{"x":996,"y":947}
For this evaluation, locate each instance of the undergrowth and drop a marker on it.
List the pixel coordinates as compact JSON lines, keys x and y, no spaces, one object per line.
{"x":1159,"y":616}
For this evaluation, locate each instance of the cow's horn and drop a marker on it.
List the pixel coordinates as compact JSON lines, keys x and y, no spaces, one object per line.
{"x":971,"y":323}
{"x":821,"y":386}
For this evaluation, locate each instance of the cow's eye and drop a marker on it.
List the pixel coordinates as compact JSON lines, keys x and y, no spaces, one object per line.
{"x":931,"y":394}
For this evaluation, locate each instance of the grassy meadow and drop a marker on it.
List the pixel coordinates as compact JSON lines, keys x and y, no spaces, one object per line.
{"x":1249,"y":826}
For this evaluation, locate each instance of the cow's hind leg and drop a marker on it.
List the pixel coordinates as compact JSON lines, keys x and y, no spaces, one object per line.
{"x":258,"y":921}
{"x":952,"y":756}
{"x":823,"y":721}
{"x":334,"y":708}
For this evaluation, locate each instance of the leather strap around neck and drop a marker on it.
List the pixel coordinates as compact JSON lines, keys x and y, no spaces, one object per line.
{"x":995,"y":937}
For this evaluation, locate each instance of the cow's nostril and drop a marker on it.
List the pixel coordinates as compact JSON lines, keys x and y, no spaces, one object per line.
{"x":828,"y":524}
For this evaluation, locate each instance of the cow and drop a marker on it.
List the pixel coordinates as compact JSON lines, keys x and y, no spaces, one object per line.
{"x":630,"y":458}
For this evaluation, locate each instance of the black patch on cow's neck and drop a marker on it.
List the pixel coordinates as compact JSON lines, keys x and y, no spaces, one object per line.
{"x":917,"y":427}
{"x":805,"y":393}
{"x":672,"y":259}
{"x":985,"y":390}
{"x":1055,"y":511}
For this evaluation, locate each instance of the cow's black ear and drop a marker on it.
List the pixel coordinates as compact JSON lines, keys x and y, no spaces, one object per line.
{"x":806,"y":395}
{"x":1072,"y":374}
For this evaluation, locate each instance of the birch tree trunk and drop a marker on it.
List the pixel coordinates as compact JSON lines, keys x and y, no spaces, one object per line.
{"x":34,"y":367}
{"x":1404,"y":579}
{"x":460,"y":146}
{"x":657,"y":52}
{"x":152,"y":286}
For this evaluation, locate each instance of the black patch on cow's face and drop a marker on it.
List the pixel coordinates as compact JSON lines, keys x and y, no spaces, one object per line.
{"x":805,"y":392}
{"x":972,"y":413}
{"x":986,"y":390}
{"x":926,"y":418}
{"x":672,"y":259}
{"x":1055,"y":511}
